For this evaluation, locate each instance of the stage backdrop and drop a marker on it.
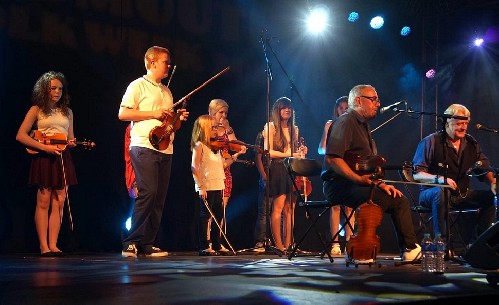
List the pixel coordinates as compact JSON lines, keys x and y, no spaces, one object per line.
{"x":99,"y":46}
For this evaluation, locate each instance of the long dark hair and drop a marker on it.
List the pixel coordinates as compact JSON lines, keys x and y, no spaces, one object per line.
{"x":41,"y":93}
{"x":280,"y":142}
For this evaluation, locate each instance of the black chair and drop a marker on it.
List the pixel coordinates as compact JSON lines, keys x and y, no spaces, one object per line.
{"x":425,"y":216}
{"x":303,"y":167}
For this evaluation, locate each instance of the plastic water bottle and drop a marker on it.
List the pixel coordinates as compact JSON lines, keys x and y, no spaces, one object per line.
{"x":427,"y":254}
{"x":439,"y":253}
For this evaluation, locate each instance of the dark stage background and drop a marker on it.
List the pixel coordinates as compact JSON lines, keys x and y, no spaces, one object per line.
{"x":99,"y":46}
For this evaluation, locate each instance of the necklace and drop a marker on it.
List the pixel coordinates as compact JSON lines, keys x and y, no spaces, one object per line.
{"x":465,"y":194}
{"x":151,"y":82}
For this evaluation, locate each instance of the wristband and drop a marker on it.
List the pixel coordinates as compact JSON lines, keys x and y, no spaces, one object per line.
{"x":436,"y":180}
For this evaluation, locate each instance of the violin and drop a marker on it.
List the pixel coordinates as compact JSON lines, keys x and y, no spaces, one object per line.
{"x":226,"y":155}
{"x":159,"y":136}
{"x":58,"y":139}
{"x":303,"y":183}
{"x":365,"y":244}
{"x":232,"y":145}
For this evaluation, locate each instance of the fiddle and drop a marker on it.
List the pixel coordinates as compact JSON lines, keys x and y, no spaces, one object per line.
{"x":303,"y":183}
{"x":159,"y":136}
{"x":365,"y":244}
{"x":232,"y":145}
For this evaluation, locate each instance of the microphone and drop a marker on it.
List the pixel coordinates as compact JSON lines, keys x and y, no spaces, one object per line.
{"x":391,"y":107}
{"x":485,"y":128}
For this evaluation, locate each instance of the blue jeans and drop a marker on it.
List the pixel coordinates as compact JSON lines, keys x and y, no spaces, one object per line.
{"x":434,"y":198}
{"x":152,"y":172}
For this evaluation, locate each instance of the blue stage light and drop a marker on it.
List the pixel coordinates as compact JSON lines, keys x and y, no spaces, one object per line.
{"x":406,"y":30}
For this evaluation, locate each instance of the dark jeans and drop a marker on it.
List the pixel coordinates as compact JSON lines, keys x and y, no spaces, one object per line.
{"x":263,"y":210}
{"x":434,"y":198}
{"x":215,"y":203}
{"x":152,"y":172}
{"x":353,"y":195}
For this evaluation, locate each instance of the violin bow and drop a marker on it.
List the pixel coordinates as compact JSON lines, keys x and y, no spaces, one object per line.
{"x":416,"y":183}
{"x":200,"y":87}
{"x":171,"y":76}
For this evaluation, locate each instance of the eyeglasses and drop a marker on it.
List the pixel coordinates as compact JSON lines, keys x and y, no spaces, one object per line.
{"x":373,"y":99}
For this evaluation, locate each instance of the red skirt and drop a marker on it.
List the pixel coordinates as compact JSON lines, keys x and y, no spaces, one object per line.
{"x":47,"y":170}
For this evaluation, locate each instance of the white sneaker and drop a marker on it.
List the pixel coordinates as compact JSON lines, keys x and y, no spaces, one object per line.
{"x":259,"y":247}
{"x":156,"y":252}
{"x":208,"y":252}
{"x":363,"y":261}
{"x":411,"y":255}
{"x":336,"y":251}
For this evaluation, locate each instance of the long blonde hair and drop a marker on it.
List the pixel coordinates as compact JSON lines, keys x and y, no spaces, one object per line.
{"x":201,"y":132}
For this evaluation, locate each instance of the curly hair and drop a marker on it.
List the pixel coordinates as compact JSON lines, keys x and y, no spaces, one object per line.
{"x":41,"y":93}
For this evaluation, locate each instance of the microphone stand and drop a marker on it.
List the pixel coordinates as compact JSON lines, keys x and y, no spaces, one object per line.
{"x":266,"y":155}
{"x":386,"y":122}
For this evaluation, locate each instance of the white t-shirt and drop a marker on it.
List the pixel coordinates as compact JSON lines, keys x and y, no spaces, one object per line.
{"x":212,"y":170}
{"x":145,"y":95}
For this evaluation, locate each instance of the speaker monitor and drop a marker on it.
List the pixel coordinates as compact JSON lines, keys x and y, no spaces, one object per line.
{"x":484,"y":253}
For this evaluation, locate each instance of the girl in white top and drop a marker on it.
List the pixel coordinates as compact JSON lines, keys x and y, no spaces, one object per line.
{"x":207,"y":166}
{"x":52,"y":168}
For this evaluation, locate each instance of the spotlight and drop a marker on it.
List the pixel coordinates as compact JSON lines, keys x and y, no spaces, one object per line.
{"x":431,"y":73}
{"x":317,"y":20}
{"x":377,"y":22}
{"x":478,"y":42}
{"x":353,"y":16}
{"x":406,"y":30}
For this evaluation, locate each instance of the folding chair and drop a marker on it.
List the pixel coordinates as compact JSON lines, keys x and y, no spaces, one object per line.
{"x":405,"y":175}
{"x":309,"y":168}
{"x":425,"y":222}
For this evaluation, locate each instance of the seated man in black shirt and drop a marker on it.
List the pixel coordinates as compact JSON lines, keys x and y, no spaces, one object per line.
{"x":460,"y":152}
{"x":349,"y":135}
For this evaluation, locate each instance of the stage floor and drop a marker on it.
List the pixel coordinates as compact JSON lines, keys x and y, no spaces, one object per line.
{"x":186,"y":278}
